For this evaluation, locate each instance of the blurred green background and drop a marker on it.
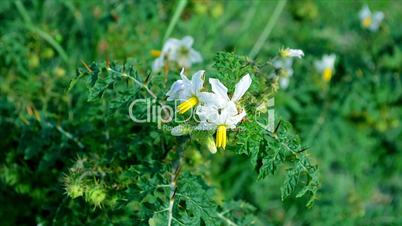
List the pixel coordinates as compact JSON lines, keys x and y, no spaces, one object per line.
{"x":351,"y":125}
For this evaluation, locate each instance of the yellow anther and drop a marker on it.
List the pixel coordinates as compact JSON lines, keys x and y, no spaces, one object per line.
{"x":187,"y":105}
{"x":284,"y":53}
{"x":327,"y":74}
{"x":221,"y":137}
{"x":155,"y":53}
{"x":367,"y":21}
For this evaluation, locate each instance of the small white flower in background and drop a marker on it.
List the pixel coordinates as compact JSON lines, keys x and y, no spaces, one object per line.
{"x":188,"y":92}
{"x":220,"y":112}
{"x":284,"y":65}
{"x":370,"y":20}
{"x":177,"y":51}
{"x":291,"y":53}
{"x":326,"y":66}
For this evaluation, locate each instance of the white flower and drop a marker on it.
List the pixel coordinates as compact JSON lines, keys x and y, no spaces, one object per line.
{"x":291,"y":53}
{"x":326,"y":66}
{"x":220,"y":97}
{"x":188,"y":92}
{"x":369,"y":20}
{"x":179,"y":52}
{"x":286,"y":71}
{"x":220,"y":112}
{"x":213,"y":118}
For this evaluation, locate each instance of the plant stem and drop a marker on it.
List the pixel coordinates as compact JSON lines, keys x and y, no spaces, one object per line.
{"x":135,"y":80}
{"x":227,"y":221}
{"x":268,"y":28}
{"x":179,"y":9}
{"x":173,"y":181}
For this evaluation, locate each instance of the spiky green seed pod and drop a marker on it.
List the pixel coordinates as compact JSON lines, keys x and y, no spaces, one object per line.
{"x":74,"y":190}
{"x":95,"y":195}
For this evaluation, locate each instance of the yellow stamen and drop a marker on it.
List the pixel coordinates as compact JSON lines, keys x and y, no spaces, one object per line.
{"x":221,"y":137}
{"x":155,"y":53}
{"x":284,"y":53}
{"x":187,"y":105}
{"x":327,"y":74}
{"x":367,"y":21}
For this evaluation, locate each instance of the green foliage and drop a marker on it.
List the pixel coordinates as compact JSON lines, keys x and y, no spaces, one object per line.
{"x":268,"y":151}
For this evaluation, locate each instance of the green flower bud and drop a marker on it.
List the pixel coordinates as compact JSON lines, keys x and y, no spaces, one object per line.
{"x":209,"y":143}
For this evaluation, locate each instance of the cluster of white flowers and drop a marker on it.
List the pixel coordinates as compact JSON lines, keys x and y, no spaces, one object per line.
{"x":284,"y":64}
{"x":176,"y":51}
{"x":216,"y":110}
{"x":370,"y":20}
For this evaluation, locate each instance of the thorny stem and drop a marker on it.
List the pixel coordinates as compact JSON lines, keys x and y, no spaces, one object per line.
{"x":290,"y":150}
{"x":68,"y":135}
{"x":135,"y":80}
{"x":173,"y":182}
{"x":228,"y":221}
{"x":268,"y":28}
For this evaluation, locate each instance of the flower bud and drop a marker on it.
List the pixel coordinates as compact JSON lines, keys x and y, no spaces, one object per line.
{"x":210,"y":144}
{"x":180,"y":130}
{"x":291,"y":53}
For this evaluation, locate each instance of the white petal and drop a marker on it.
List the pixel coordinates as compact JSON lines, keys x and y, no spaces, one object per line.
{"x":229,"y":110}
{"x":203,"y":112}
{"x":289,"y":72}
{"x":198,"y":81}
{"x":288,"y":62}
{"x":209,"y":117}
{"x":158,"y":64}
{"x":187,"y":41}
{"x":195,"y":56}
{"x":171,"y":43}
{"x":184,"y":77}
{"x":174,"y":91}
{"x":296,"y":53}
{"x":241,"y":87}
{"x":211,"y":99}
{"x":284,"y":82}
{"x":329,"y":60}
{"x":377,"y":19}
{"x":184,"y":62}
{"x":364,"y":12}
{"x":205,"y":126}
{"x":318,"y":64}
{"x":219,"y":89}
{"x":234,"y":120}
{"x":378,"y":16}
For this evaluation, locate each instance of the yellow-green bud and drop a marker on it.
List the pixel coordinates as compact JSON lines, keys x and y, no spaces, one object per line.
{"x":210,"y":144}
